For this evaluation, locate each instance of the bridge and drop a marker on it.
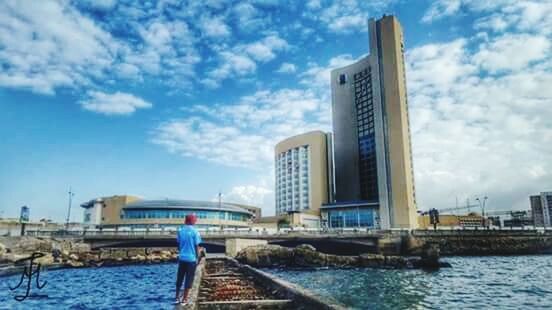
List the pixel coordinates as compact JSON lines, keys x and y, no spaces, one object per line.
{"x":351,"y":242}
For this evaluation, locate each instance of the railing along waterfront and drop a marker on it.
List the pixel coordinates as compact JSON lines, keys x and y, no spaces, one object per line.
{"x":289,"y":233}
{"x":213,"y":233}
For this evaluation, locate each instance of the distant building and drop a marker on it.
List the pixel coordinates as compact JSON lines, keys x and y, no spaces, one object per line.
{"x":256,"y":211}
{"x":105,"y":211}
{"x":303,"y":182}
{"x":132,"y":212}
{"x":541,"y":208}
{"x":448,"y":220}
{"x":519,"y":219}
{"x":374,"y":182}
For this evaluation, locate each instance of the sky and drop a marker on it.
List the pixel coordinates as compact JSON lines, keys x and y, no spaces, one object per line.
{"x":183,"y":99}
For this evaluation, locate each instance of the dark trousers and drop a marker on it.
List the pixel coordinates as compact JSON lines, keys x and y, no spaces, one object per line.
{"x":186,"y":270}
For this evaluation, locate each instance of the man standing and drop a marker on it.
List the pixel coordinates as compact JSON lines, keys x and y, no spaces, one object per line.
{"x":188,"y":241}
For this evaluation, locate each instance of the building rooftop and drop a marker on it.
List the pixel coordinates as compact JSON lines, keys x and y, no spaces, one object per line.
{"x":184,"y":204}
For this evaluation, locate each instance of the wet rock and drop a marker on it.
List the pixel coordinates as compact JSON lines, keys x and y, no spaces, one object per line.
{"x":371,"y":260}
{"x":75,"y":264}
{"x":266,"y":255}
{"x":45,"y":260}
{"x":431,"y":254}
{"x":308,"y":256}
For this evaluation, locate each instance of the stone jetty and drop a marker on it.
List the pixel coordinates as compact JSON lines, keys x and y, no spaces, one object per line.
{"x":307,"y":256}
{"x":75,"y":254}
{"x":227,"y":284}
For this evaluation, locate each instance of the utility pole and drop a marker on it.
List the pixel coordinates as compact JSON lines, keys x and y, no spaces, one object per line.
{"x":220,"y":207}
{"x":71,"y":194}
{"x":482,"y":205}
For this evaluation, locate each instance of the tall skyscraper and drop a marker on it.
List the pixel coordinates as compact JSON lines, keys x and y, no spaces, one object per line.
{"x":372,"y":150}
{"x":541,"y":209}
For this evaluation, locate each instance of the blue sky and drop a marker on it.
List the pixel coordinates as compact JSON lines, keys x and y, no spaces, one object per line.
{"x":182,"y":99}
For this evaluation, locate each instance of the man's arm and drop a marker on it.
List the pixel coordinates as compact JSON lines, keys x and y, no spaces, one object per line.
{"x":197,"y":247}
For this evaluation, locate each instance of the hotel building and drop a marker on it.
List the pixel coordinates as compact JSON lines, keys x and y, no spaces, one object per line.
{"x":303,"y":183}
{"x":374,"y":182}
{"x":541,"y":209}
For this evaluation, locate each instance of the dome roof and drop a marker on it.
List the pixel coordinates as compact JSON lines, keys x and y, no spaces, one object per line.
{"x":184,"y":204}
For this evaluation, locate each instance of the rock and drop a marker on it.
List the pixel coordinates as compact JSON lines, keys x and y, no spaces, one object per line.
{"x":430,"y":255}
{"x":80,"y":247}
{"x":12,"y":257}
{"x":265,"y":255}
{"x":305,"y":255}
{"x":2,"y":250}
{"x":75,"y":264}
{"x":140,"y":258}
{"x":45,"y":260}
{"x":371,"y":260}
{"x":31,"y":244}
{"x":74,"y":257}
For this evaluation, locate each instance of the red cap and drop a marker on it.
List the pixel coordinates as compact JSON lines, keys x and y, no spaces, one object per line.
{"x":191,"y":219}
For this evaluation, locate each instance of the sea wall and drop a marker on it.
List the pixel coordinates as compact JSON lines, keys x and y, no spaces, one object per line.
{"x":74,"y":254}
{"x":480,"y":242}
{"x":307,"y":256}
{"x":234,"y":245}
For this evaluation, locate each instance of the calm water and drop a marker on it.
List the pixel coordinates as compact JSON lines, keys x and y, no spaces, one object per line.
{"x":474,"y":282}
{"x":520,"y":282}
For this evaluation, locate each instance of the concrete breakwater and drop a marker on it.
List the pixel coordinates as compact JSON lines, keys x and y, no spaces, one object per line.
{"x":74,"y":254}
{"x":307,"y":256}
{"x":480,"y":242}
{"x":227,"y":284}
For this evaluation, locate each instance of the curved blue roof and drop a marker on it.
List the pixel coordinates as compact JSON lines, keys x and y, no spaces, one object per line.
{"x":184,"y":204}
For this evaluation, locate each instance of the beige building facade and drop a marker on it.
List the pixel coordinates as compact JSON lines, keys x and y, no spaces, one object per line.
{"x":372,"y":148}
{"x":133,"y":212}
{"x":303,"y":182}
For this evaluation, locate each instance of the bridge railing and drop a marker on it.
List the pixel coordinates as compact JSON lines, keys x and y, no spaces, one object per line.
{"x":211,"y":233}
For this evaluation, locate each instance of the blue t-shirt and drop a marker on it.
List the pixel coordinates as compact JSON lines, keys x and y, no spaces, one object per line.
{"x":187,"y":238}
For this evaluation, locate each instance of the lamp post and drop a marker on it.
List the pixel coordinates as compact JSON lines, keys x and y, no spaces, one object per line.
{"x":482,"y":205}
{"x":220,"y":207}
{"x":71,"y":194}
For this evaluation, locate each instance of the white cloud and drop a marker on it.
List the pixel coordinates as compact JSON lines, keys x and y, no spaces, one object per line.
{"x":475,"y":133}
{"x":347,"y":15}
{"x":264,"y":50}
{"x":522,"y":15}
{"x":117,"y":103}
{"x":319,"y":76}
{"x":512,"y":52}
{"x":41,"y":54}
{"x":440,"y":9}
{"x":52,"y":45}
{"x":254,"y":195}
{"x":438,"y":65}
{"x":215,"y":27}
{"x":240,"y":60}
{"x":232,"y":64}
{"x":314,"y":4}
{"x":287,"y":67}
{"x":243,"y":134}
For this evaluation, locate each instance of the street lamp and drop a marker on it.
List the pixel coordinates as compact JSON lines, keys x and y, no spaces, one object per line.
{"x":482,"y":205}
{"x":71,"y":194}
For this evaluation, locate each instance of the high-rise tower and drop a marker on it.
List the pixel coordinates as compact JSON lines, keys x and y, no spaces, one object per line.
{"x":372,"y":150}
